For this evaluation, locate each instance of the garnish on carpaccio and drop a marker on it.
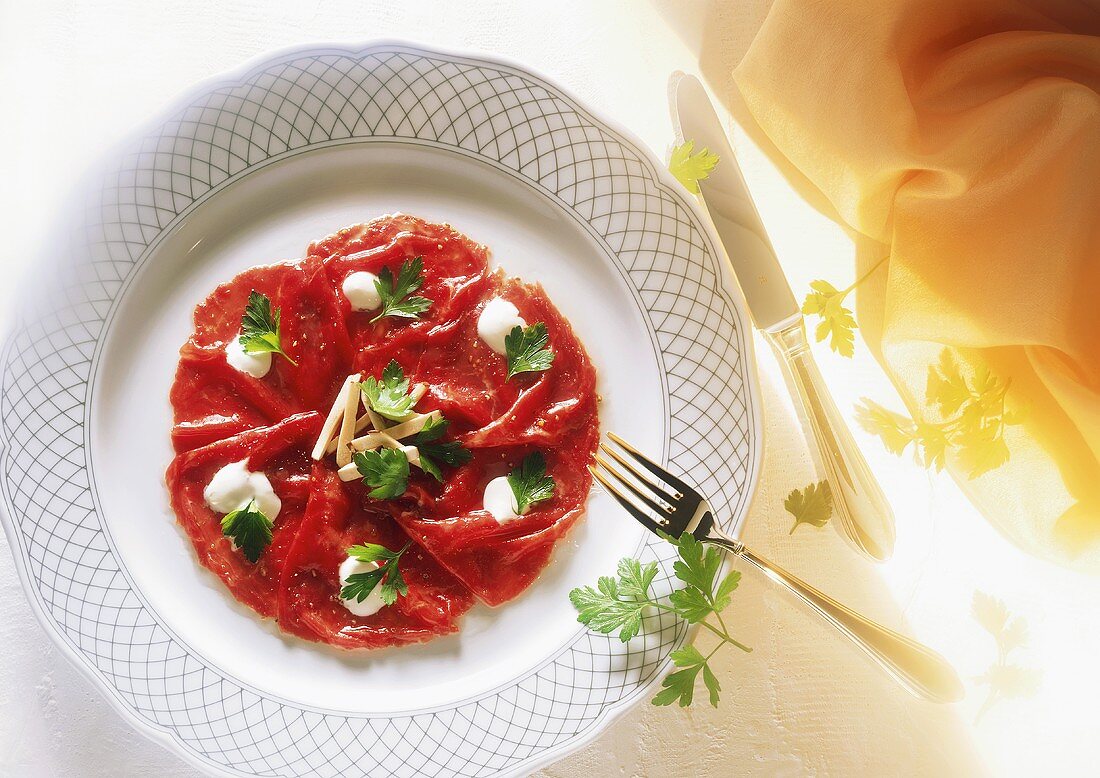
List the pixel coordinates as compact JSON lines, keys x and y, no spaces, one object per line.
{"x":373,"y":438}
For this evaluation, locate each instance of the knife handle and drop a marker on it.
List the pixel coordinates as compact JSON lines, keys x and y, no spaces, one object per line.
{"x":866,"y":520}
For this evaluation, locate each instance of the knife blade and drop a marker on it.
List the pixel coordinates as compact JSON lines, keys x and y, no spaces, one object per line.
{"x":736,"y":220}
{"x":865,"y":519}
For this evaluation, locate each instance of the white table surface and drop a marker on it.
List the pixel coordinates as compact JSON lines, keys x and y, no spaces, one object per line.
{"x":78,"y":76}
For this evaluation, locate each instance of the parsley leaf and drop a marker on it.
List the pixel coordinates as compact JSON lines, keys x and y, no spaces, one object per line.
{"x":635,"y":578}
{"x":395,"y":295}
{"x":1004,"y":679}
{"x":894,"y":430}
{"x":389,"y":397}
{"x":386,"y":470}
{"x":981,"y":448}
{"x":250,"y":530}
{"x":946,"y":387}
{"x":697,"y":566}
{"x":837,"y":322}
{"x":373,"y":552}
{"x":260,"y":327}
{"x":1008,"y":681}
{"x":689,"y":167}
{"x":710,"y":680}
{"x":725,"y":589}
{"x":619,"y":604}
{"x":616,"y":604}
{"x":387,"y":576}
{"x":812,"y":505}
{"x":691,"y":604}
{"x":432,"y":451}
{"x":530,"y":483}
{"x":932,"y":442}
{"x":526,"y":349}
{"x":990,"y":612}
{"x":680,"y":685}
{"x":966,"y":418}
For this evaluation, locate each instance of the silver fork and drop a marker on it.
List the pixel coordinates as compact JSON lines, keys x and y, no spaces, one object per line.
{"x":662,"y":502}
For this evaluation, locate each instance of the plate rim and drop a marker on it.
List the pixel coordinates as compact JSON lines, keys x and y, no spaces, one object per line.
{"x":728,"y":290}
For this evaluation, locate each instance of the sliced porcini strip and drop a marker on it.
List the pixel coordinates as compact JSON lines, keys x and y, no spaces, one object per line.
{"x":360,"y":424}
{"x":412,"y":453}
{"x":389,"y":441}
{"x":349,"y":472}
{"x":376,"y":421}
{"x":373,"y":440}
{"x":413,"y":425}
{"x":347,"y":423}
{"x":368,"y":442}
{"x":335,"y":418}
{"x":406,"y":428}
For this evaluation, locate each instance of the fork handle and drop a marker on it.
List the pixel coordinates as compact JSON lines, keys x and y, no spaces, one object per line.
{"x":865,"y":518}
{"x":918,"y":668}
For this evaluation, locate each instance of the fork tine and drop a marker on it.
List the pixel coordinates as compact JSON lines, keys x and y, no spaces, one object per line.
{"x":640,"y":495}
{"x":621,"y":498}
{"x":652,"y":466}
{"x":657,"y":489}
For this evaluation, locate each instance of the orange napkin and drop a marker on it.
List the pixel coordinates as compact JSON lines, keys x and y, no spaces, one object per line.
{"x":962,"y":139}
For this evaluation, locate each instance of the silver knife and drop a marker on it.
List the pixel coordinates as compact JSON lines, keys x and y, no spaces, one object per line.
{"x":865,"y":518}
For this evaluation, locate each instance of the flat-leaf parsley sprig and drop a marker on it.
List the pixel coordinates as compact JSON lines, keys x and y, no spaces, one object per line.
{"x":1005,"y":679}
{"x":389,"y":397}
{"x":385,"y":470}
{"x":812,"y":504}
{"x":838,"y":323}
{"x":530,"y":483}
{"x":689,"y":167}
{"x":619,"y":604}
{"x":433,"y":451}
{"x":527,"y":349}
{"x":965,"y":417}
{"x":397,"y":295}
{"x":250,"y":530}
{"x":386,"y":577}
{"x":260,"y":330}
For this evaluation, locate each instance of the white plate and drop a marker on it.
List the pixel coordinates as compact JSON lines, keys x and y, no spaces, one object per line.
{"x":248,"y":170}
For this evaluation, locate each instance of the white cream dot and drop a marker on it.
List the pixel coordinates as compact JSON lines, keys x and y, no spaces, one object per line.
{"x":372,"y":603}
{"x":256,"y":365}
{"x":360,"y":289}
{"x":496,"y":320}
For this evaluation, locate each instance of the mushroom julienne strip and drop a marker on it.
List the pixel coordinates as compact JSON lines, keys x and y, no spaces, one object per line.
{"x":349,"y":472}
{"x":410,"y":426}
{"x":399,"y":431}
{"x":334,"y":418}
{"x":412,"y":453}
{"x":362,"y":423}
{"x":347,"y":424}
{"x":343,"y":415}
{"x":417,"y":393}
{"x":376,"y":421}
